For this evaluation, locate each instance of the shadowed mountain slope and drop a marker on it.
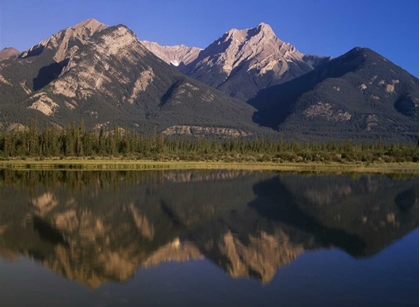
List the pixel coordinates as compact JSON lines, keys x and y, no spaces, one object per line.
{"x":359,"y":95}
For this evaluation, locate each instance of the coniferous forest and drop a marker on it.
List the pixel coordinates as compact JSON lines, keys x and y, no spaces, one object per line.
{"x":76,"y":141}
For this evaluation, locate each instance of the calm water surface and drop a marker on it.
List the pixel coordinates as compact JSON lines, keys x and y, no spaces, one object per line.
{"x":207,"y":238}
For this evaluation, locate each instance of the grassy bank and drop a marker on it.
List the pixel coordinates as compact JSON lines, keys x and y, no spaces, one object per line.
{"x":115,"y":164}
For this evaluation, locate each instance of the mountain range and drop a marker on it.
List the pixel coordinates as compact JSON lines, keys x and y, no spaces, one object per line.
{"x":105,"y":76}
{"x":242,"y":62}
{"x":246,"y":83}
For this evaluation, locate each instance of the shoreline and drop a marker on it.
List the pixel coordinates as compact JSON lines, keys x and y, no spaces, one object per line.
{"x":115,"y":164}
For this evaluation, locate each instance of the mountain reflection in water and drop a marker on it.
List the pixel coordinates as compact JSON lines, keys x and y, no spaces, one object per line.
{"x":94,"y":227}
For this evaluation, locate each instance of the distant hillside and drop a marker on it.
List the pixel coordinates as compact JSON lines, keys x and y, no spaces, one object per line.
{"x":178,"y":56}
{"x":359,"y":95}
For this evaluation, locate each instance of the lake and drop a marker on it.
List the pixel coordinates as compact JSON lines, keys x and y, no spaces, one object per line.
{"x":208,"y":238}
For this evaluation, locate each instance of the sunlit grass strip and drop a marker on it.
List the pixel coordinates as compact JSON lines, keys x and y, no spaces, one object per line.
{"x":109,"y":164}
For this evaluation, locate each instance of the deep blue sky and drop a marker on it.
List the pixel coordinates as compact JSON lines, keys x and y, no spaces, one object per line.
{"x":322,"y":27}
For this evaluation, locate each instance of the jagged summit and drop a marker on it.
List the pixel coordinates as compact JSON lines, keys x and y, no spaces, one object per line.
{"x":182,"y":55}
{"x":264,"y":28}
{"x":261,"y":27}
{"x":92,"y":24}
{"x":264,"y":25}
{"x":242,"y":35}
{"x":242,"y":62}
{"x":67,"y":41}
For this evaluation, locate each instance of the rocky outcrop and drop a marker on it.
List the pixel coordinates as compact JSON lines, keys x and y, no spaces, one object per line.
{"x":204,"y":131}
{"x":326,"y":111}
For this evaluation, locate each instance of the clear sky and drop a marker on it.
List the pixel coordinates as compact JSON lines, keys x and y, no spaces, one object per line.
{"x":321,"y":27}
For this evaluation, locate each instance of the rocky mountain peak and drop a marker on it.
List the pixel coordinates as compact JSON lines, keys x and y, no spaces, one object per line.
{"x":264,"y":26}
{"x":91,"y":24}
{"x":242,"y":62}
{"x":234,"y":33}
{"x":8,"y":52}
{"x":261,"y":31}
{"x":66,"y":42}
{"x":264,"y":29}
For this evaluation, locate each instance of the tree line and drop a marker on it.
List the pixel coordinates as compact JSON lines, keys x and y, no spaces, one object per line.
{"x":75,"y":141}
